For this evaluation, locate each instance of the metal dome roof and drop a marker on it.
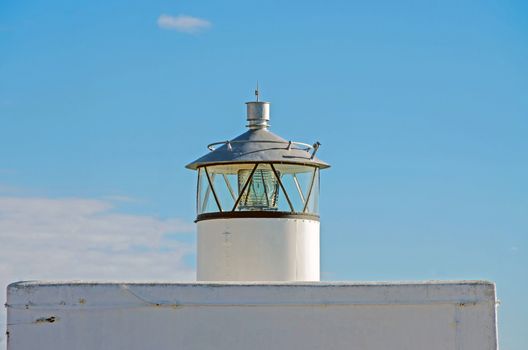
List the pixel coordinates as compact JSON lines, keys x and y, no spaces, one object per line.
{"x":260,"y":145}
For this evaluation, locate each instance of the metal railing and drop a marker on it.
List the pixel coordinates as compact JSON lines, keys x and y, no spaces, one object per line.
{"x":288,"y":145}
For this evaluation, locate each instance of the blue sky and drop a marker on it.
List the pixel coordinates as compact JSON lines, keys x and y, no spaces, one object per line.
{"x":421,"y":108}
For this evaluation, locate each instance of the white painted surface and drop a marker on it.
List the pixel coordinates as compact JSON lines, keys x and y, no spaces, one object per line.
{"x":258,"y":249}
{"x":371,"y":316}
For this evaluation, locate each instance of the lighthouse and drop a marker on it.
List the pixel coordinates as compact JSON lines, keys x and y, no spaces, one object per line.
{"x":258,"y":277}
{"x":257,"y":206}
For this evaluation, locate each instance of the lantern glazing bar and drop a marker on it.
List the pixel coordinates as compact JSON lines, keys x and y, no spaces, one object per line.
{"x":206,"y":197}
{"x":212,"y":189}
{"x":310,"y":191}
{"x":198,"y":190}
{"x":229,"y":187}
{"x":245,"y":187}
{"x":282,"y":187}
{"x":298,"y":188}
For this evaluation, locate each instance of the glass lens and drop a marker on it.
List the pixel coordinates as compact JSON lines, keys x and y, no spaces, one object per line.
{"x":261,"y":191}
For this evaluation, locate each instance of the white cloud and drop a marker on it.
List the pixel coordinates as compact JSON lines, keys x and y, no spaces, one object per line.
{"x":183,"y":23}
{"x":120,"y":198}
{"x":70,"y":238}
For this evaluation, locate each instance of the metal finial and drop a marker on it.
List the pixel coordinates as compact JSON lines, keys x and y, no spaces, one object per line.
{"x":257,"y":92}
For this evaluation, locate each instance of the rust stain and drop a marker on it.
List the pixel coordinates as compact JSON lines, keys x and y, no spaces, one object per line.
{"x":82,"y":301}
{"x":50,"y":319}
{"x":464,"y":304}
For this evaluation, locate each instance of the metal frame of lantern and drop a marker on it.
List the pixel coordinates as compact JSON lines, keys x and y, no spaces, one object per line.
{"x":235,"y":210}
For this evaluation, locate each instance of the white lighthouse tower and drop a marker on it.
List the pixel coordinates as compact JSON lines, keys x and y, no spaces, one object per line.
{"x":257,"y":206}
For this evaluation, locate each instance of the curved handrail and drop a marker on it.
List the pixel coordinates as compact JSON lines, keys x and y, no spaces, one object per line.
{"x":289,"y":144}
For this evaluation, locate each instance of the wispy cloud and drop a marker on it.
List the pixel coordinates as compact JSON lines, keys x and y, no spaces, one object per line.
{"x":76,"y":238}
{"x":4,"y":189}
{"x":183,"y":23}
{"x":120,"y":198}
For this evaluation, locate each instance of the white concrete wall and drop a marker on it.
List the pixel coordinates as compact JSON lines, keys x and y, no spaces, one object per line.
{"x":371,"y":316}
{"x":258,"y":249}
